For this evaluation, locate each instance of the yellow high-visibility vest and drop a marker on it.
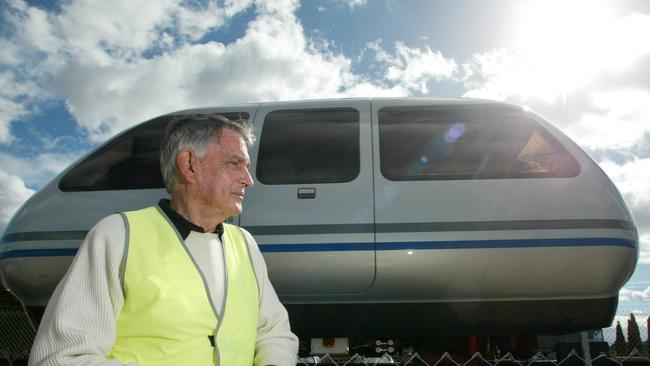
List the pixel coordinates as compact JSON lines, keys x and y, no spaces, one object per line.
{"x":168,"y":315}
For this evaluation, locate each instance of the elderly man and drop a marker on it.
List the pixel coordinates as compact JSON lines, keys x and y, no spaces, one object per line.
{"x":172,"y":284}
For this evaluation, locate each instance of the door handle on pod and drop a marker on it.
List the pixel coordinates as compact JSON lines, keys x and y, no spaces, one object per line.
{"x":306,"y":193}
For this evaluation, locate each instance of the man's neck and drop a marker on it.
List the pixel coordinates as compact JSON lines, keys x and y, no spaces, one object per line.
{"x":195,"y":213}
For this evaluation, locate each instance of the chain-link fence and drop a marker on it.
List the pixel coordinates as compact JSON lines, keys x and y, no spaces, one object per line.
{"x":477,"y":359}
{"x":623,"y":344}
{"x":16,"y":331}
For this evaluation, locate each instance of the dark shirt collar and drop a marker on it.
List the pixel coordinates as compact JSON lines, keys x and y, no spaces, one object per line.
{"x":181,"y":224}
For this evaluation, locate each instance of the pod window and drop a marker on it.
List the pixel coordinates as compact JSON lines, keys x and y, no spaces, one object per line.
{"x":479,"y":142}
{"x":308,"y":146}
{"x":130,"y":161}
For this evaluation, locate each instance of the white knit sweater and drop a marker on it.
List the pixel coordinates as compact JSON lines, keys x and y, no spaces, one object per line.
{"x":78,"y":327}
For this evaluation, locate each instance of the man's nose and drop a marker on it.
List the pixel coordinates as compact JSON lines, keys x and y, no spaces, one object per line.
{"x":247,"y":179}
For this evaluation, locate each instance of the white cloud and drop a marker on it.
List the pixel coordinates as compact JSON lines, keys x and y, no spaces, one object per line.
{"x":624,"y":294}
{"x":587,"y":72}
{"x":13,"y":88}
{"x":9,"y":111}
{"x":619,"y":119}
{"x":628,"y":41}
{"x":411,"y":69}
{"x":11,"y":108}
{"x":352,"y":4}
{"x":496,"y":74}
{"x":272,"y":61}
{"x":585,"y":42}
{"x":37,"y":170}
{"x":369,"y":89}
{"x":632,"y":180}
{"x":130,"y":64}
{"x":235,"y":6}
{"x":415,"y":67}
{"x":38,"y":31}
{"x":126,"y":29}
{"x":195,"y":22}
{"x":627,"y":295}
{"x":10,"y":53}
{"x":92,"y":36}
{"x":12,"y":194}
{"x":280,"y":7}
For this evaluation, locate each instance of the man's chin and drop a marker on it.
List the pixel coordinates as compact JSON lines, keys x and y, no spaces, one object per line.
{"x":236,"y":211}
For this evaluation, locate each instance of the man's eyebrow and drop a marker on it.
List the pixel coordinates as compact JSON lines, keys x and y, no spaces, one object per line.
{"x":239,"y":158}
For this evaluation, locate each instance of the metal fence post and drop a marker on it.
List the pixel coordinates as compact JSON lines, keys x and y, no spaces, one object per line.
{"x":584,"y":337}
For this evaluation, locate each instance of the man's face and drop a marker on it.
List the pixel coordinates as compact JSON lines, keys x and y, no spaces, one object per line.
{"x":222,"y":174}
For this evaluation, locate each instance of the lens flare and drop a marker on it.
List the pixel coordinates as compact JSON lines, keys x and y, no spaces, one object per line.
{"x":455,"y":131}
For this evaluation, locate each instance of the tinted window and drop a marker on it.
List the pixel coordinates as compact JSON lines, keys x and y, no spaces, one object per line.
{"x":132,"y":161}
{"x":309,"y":146}
{"x":486,"y":142}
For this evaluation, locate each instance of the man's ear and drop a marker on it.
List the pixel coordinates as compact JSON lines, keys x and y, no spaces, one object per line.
{"x":187,"y":164}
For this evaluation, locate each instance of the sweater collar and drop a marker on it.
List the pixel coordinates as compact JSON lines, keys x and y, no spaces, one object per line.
{"x":181,"y":224}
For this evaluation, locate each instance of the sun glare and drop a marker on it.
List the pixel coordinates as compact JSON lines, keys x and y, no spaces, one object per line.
{"x":561,"y":43}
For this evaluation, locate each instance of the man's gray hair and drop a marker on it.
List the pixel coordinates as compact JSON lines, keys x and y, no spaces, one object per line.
{"x":195,"y":132}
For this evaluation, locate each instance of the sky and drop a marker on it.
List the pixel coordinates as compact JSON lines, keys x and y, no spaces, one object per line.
{"x":74,"y":73}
